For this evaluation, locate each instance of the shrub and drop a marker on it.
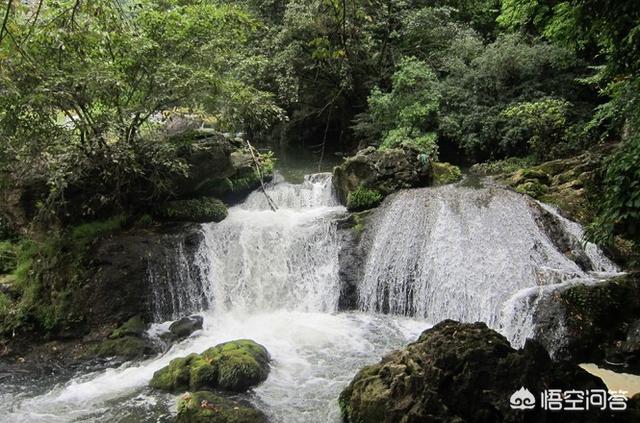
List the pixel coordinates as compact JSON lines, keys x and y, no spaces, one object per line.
{"x":363,"y":198}
{"x":205,"y":209}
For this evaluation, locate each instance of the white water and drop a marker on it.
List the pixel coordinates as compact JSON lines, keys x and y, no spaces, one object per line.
{"x":467,"y":254}
{"x":449,"y":252}
{"x":271,"y":277}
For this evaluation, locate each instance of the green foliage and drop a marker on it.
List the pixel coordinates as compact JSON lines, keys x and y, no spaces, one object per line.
{"x":363,"y":199}
{"x":84,"y":83}
{"x":205,"y":209}
{"x":8,"y":260}
{"x":88,"y":232}
{"x":408,"y":113}
{"x":508,"y":165}
{"x":545,"y":121}
{"x":619,"y":196}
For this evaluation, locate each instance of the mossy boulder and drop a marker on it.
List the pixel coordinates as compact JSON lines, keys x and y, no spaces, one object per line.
{"x":126,"y":347}
{"x":234,"y":366}
{"x":561,"y":182}
{"x":132,"y":327}
{"x":199,"y":210}
{"x":462,"y":372}
{"x":598,"y":323}
{"x":206,"y":407}
{"x":445,"y":173}
{"x":383,"y":170}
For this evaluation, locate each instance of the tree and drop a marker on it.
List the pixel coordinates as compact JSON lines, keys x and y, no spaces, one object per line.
{"x":84,"y":83}
{"x":407,"y":115}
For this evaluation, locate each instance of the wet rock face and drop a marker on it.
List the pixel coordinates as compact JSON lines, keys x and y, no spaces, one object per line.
{"x":119,"y":264}
{"x":384,"y":171}
{"x":461,"y":372}
{"x":594,"y":323}
{"x":233,"y":366}
{"x":206,"y":407}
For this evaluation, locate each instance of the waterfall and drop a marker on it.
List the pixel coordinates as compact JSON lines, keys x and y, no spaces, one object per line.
{"x":275,"y":277}
{"x":470,"y":254}
{"x":176,"y":279}
{"x":287,"y":259}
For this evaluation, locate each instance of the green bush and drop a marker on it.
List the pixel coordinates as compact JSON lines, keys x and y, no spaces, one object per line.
{"x":618,"y":196}
{"x":363,"y":199}
{"x":205,"y":209}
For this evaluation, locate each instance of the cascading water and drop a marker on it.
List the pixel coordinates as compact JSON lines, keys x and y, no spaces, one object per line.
{"x":470,"y":254}
{"x":268,"y":276}
{"x":435,"y":253}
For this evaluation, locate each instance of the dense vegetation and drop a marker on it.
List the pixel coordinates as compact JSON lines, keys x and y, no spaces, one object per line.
{"x":86,"y":86}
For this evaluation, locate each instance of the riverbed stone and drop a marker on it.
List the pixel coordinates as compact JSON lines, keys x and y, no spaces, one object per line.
{"x":233,"y":366}
{"x":206,"y":407}
{"x":462,"y":372}
{"x":185,"y":326}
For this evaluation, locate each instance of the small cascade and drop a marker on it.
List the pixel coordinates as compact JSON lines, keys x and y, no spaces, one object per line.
{"x":464,"y":253}
{"x":315,"y":191}
{"x":288,"y":259}
{"x":176,"y":281}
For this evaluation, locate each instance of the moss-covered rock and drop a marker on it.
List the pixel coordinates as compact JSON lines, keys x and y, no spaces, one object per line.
{"x":599,"y":323}
{"x":132,"y":327}
{"x":533,"y":189}
{"x":385,"y":171}
{"x":445,"y":173}
{"x":206,"y":407}
{"x":363,"y":199}
{"x":234,"y":366}
{"x":126,"y":347}
{"x":462,"y":372}
{"x":205,"y":209}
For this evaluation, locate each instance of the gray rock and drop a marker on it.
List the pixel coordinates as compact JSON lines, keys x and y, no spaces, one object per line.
{"x":185,"y":326}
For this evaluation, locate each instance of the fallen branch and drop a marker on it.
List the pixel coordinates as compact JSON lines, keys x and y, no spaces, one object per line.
{"x":270,"y":201}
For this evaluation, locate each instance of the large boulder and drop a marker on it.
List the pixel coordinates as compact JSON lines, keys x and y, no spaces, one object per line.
{"x":462,"y":372}
{"x":233,"y":366}
{"x":374,"y":173}
{"x":206,"y":407}
{"x":597,"y":323}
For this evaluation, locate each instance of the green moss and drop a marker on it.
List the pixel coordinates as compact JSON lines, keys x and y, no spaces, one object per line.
{"x":205,"y":209}
{"x":363,"y":199}
{"x":532,"y":189}
{"x":446,"y":173}
{"x":206,"y":407}
{"x":8,"y":258}
{"x":234,"y":366}
{"x":499,"y":167}
{"x":128,"y":347}
{"x":132,"y":327}
{"x":87,"y":232}
{"x":175,"y":376}
{"x":202,"y":374}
